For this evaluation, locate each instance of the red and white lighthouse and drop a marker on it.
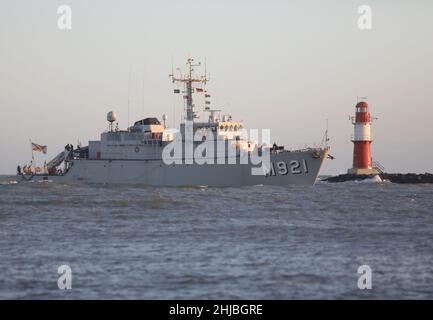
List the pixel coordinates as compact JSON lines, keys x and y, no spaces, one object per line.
{"x":362,"y":161}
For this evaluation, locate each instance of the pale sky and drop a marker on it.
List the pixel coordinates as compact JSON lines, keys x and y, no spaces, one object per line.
{"x":283,"y":65}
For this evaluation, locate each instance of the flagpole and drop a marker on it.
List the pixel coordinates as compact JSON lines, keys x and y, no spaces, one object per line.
{"x":31,"y":148}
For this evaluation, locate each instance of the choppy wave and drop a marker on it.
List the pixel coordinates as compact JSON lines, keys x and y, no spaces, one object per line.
{"x":251,"y":243}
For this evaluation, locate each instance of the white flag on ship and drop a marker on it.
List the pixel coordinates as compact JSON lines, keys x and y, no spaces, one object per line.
{"x":39,"y":148}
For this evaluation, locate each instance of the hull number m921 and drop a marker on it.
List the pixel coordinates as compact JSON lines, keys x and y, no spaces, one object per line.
{"x":282,"y":168}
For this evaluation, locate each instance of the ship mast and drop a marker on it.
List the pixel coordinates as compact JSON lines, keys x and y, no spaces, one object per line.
{"x":188,"y":82}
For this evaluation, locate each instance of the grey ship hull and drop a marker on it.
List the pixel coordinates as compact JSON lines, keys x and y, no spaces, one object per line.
{"x":288,"y":168}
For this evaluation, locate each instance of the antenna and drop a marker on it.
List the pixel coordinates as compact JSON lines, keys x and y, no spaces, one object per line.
{"x":142,"y":91}
{"x":326,"y":135}
{"x":188,"y":82}
{"x":327,"y":132}
{"x":174,"y":98}
{"x":129,"y":92}
{"x":172,"y":66}
{"x":205,"y":67}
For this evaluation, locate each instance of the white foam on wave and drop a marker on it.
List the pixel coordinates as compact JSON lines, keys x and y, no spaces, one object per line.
{"x":374,"y":179}
{"x":44,"y":181}
{"x":9,"y":182}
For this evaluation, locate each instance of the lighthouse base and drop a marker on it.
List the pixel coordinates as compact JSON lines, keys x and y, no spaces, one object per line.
{"x":358,"y":171}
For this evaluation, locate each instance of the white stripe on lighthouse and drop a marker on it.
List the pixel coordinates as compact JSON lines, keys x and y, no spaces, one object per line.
{"x":362,"y":132}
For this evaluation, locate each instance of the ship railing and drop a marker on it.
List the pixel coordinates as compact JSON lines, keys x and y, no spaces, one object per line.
{"x":306,"y":149}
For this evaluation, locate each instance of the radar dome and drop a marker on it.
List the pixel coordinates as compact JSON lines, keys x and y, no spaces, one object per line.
{"x":111,"y":116}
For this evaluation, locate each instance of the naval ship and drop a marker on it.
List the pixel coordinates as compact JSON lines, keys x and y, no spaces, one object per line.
{"x":217,"y":151}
